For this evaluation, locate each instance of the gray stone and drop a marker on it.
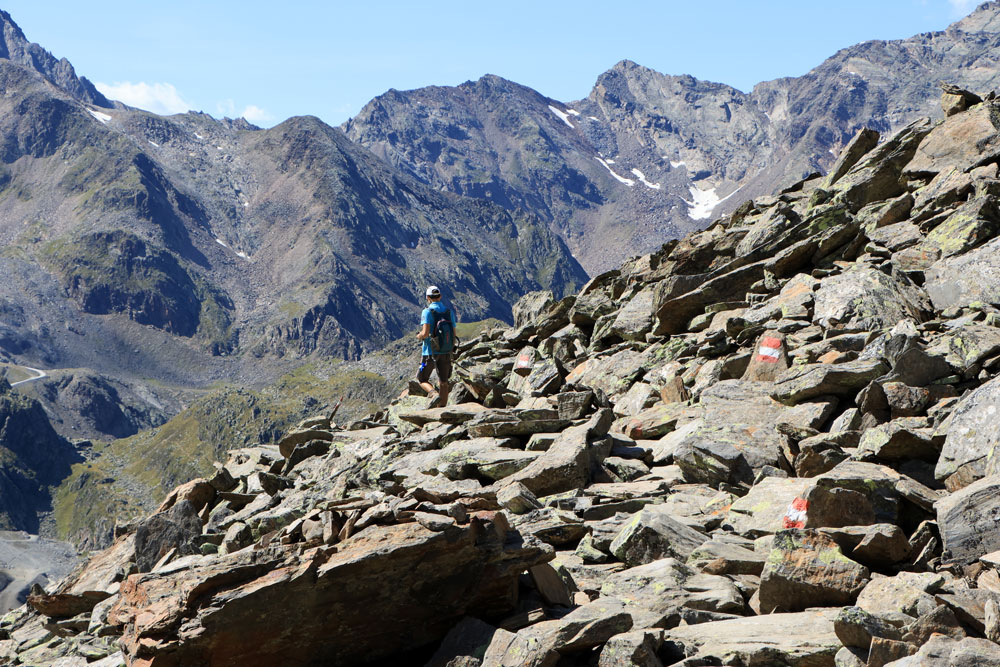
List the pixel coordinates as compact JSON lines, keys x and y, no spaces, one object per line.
{"x":967,"y":521}
{"x":971,"y":434}
{"x":531,"y":306}
{"x":769,"y":359}
{"x":801,"y":383}
{"x":566,"y":464}
{"x":656,"y":593}
{"x":762,"y":511}
{"x":909,"y":593}
{"x":865,"y":298}
{"x":943,"y":650}
{"x":177,"y":528}
{"x":808,"y":569}
{"x":632,"y":649}
{"x":964,"y":279}
{"x":959,"y":142}
{"x":797,"y":640}
{"x":517,"y":498}
{"x":901,"y":439}
{"x":652,"y":534}
{"x":856,"y":627}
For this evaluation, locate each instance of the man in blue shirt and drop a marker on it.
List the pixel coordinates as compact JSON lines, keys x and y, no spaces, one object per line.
{"x":429,"y":358}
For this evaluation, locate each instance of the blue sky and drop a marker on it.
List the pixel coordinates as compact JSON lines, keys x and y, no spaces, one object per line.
{"x":268,"y":61}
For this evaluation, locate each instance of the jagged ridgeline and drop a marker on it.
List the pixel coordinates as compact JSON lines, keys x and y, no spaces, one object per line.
{"x":137,"y":245}
{"x":647,"y":156}
{"x":770,"y":443}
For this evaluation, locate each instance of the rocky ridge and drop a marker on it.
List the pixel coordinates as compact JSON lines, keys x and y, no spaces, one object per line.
{"x":770,"y":442}
{"x":649,"y":156}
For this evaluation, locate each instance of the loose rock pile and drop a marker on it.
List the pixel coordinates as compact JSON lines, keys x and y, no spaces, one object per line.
{"x":770,"y":443}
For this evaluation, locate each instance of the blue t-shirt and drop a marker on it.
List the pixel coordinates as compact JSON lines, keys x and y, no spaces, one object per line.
{"x":427,"y":318}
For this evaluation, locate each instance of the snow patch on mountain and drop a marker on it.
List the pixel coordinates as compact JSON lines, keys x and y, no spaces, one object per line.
{"x":621,"y":179}
{"x":642,"y":178}
{"x":103,"y":117}
{"x":703,"y":202}
{"x":562,"y":114}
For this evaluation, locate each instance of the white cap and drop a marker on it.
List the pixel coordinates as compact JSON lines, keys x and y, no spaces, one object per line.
{"x":432,"y":291}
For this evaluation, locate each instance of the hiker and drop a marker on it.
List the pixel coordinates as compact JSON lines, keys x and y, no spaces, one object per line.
{"x":437,"y":331}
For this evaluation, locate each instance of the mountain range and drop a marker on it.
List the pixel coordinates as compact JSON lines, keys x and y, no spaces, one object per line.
{"x":646,"y":156}
{"x":148,"y":259}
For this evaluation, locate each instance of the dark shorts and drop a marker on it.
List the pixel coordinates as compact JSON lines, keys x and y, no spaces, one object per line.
{"x":441,"y":362}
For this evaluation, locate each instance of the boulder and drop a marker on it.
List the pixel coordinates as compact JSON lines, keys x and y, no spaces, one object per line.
{"x":877,"y":176}
{"x":798,"y":640}
{"x":961,"y":142}
{"x":884,"y":651}
{"x":176,"y":528}
{"x":566,"y":464}
{"x":801,"y":383}
{"x":862,"y":142}
{"x":542,"y":644}
{"x":967,"y":278}
{"x":635,"y":318}
{"x":966,"y":521}
{"x":943,"y":650}
{"x":312,"y":598}
{"x":956,"y":100}
{"x":808,"y":569}
{"x":902,"y":439}
{"x":632,"y":649}
{"x":658,"y":593}
{"x":853,"y":493}
{"x":764,"y":509}
{"x":531,"y":306}
{"x":856,"y":628}
{"x":909,"y":593}
{"x":612,"y":374}
{"x":970,"y":434}
{"x":973,"y":223}
{"x":866,"y":298}
{"x":652,"y":534}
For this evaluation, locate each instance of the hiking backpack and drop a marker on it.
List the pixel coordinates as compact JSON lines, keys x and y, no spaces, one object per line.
{"x":443,"y":337}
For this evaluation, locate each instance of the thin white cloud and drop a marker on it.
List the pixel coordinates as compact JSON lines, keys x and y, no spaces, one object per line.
{"x":251,"y":112}
{"x":226,"y":108}
{"x":161,"y":98}
{"x":963,"y":7}
{"x":256,"y":115}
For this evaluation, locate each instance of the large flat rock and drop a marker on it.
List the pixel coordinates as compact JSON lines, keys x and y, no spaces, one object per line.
{"x":804,"y":639}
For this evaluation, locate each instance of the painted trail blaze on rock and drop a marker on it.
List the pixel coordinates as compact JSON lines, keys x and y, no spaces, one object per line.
{"x":769,"y":359}
{"x":795,"y":517}
{"x":769,"y":350}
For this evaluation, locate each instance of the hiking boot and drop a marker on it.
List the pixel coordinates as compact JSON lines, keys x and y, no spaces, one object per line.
{"x":432,"y":400}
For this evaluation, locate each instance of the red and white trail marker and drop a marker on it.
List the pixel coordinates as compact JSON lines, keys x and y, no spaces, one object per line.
{"x":769,"y":350}
{"x":795,"y":517}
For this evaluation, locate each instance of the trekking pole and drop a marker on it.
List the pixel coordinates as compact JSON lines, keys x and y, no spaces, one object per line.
{"x":335,"y":408}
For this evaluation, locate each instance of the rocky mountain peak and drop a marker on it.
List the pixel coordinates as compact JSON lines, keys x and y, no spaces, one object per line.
{"x":986,"y":18}
{"x":16,"y":48}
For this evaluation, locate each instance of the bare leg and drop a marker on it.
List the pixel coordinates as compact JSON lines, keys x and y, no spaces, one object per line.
{"x":428,"y":387}
{"x":445,"y":389}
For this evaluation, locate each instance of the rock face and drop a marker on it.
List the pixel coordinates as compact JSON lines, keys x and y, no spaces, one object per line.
{"x":593,"y":496}
{"x":33,"y":459}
